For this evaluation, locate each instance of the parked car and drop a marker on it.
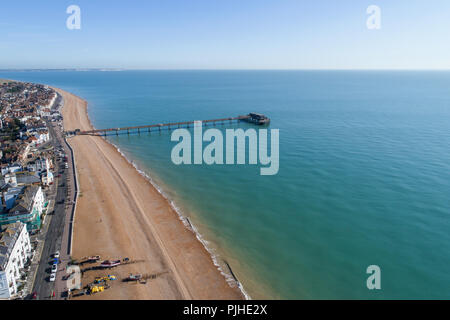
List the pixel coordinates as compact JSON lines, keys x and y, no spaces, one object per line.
{"x":54,"y":268}
{"x":56,"y":254}
{"x":53,"y":277}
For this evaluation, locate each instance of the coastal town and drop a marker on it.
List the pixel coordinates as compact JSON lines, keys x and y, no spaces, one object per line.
{"x":32,"y":163}
{"x":37,"y":211}
{"x":44,"y":253}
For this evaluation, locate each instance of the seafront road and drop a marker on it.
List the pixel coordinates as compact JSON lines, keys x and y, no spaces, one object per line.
{"x":57,"y":235}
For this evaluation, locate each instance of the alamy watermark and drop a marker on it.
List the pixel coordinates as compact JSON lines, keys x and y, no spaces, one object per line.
{"x":374,"y":280}
{"x":374,"y":20}
{"x":213,"y":153}
{"x":73,"y":22}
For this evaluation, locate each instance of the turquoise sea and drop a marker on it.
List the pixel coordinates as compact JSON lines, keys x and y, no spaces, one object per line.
{"x":364,"y":173}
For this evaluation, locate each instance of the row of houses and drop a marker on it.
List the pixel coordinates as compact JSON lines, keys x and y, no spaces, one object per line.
{"x":26,"y":165}
{"x":22,"y":98}
{"x":21,"y":192}
{"x":28,"y":169}
{"x":23,"y":107}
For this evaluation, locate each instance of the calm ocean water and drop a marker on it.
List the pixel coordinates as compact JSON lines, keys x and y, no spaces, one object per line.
{"x":364,"y":173}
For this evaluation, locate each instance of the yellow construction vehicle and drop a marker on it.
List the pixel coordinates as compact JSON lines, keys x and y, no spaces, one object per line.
{"x":104,"y":279}
{"x":96,"y":289}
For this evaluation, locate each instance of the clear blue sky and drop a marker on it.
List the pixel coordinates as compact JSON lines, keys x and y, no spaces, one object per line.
{"x":226,"y":34}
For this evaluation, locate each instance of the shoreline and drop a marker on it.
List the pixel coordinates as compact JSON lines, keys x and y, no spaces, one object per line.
{"x":205,"y":280}
{"x":230,"y":277}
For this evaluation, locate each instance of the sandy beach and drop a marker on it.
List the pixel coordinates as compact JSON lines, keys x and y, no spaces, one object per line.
{"x":120,"y":214}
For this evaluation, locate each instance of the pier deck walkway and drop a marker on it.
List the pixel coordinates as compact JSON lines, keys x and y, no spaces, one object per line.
{"x":251,"y":117}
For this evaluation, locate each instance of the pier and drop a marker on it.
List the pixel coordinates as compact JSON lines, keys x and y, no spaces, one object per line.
{"x":255,"y":118}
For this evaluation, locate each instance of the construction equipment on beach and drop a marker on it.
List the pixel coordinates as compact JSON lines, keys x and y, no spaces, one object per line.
{"x":109,"y":277}
{"x":96,"y":289}
{"x":143,"y":278}
{"x":128,"y":261}
{"x":133,"y":277}
{"x":110,"y":263}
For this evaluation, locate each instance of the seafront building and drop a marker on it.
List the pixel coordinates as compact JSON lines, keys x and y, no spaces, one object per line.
{"x":47,"y":177}
{"x":24,"y":204}
{"x":15,"y":250}
{"x":11,"y":168}
{"x":39,"y":165}
{"x":26,"y":164}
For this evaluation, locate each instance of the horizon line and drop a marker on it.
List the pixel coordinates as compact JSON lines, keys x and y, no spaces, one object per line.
{"x":217,"y":69}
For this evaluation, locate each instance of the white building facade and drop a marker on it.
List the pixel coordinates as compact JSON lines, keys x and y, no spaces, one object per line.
{"x":11,"y":169}
{"x":39,"y":165}
{"x":15,"y":249}
{"x":24,"y":204}
{"x":47,"y":178}
{"x":42,"y":137}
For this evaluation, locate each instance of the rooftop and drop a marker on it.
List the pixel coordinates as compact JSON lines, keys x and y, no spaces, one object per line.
{"x":8,"y":237}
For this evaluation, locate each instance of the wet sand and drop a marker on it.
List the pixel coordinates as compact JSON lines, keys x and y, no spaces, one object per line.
{"x":120,"y":214}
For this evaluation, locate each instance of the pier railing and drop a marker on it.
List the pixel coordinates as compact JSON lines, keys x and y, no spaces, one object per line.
{"x":251,"y":117}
